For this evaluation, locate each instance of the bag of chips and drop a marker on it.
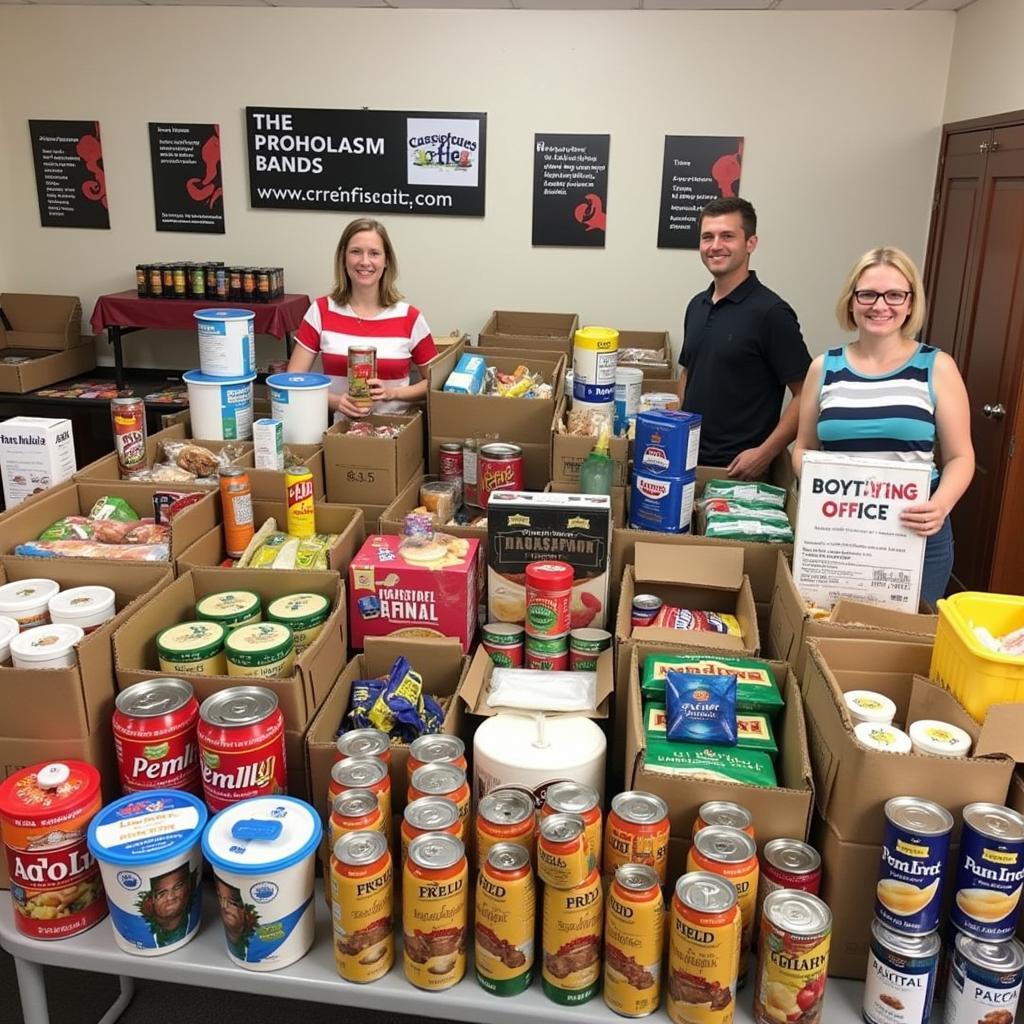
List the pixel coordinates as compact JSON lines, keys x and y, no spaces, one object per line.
{"x":701,"y":708}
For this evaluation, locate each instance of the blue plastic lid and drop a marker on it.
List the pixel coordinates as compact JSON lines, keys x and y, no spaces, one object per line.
{"x":264,"y":833}
{"x":224,"y":314}
{"x":146,"y":827}
{"x":297,"y":381}
{"x":198,"y":377}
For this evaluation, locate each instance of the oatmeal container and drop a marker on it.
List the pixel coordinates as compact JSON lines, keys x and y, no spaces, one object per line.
{"x":263,"y":650}
{"x":230,"y":608}
{"x":87,"y":607}
{"x":192,"y":648}
{"x":303,"y":614}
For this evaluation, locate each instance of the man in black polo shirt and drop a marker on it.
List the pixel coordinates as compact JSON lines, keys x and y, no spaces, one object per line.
{"x":742,"y":348}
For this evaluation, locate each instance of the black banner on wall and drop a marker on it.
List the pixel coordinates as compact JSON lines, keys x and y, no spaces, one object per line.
{"x":70,"y":181}
{"x":697,"y":169}
{"x":188,"y":189}
{"x":570,"y":189}
{"x":372,"y":161}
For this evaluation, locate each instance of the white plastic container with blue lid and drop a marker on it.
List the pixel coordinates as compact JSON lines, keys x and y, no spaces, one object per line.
{"x":148,"y":846}
{"x":299,"y":401}
{"x":220,"y":407}
{"x":227,"y":342}
{"x":263,"y":853}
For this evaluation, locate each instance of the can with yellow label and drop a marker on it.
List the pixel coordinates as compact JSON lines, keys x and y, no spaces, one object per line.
{"x":505,"y":816}
{"x":563,"y":856}
{"x":636,"y":832}
{"x":506,"y":907}
{"x":573,"y":920}
{"x":578,"y":798}
{"x":299,"y":507}
{"x":634,"y":934}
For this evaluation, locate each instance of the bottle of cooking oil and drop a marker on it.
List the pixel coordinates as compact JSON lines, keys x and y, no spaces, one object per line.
{"x":596,"y":472}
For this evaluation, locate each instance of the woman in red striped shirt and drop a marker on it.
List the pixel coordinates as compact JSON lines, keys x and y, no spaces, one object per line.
{"x":366,"y":308}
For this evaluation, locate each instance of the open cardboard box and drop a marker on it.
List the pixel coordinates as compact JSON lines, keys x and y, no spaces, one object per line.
{"x":536,"y":456}
{"x":393,"y":518}
{"x":46,"y":365}
{"x":477,"y":685}
{"x":529,"y":331}
{"x":568,"y":453}
{"x":853,"y":782}
{"x":345,"y":521}
{"x":441,"y":664}
{"x":372,"y":470}
{"x":40,"y":321}
{"x":782,"y":812}
{"x":790,"y":626}
{"x":654,"y":341}
{"x":618,"y":498}
{"x":106,"y":469}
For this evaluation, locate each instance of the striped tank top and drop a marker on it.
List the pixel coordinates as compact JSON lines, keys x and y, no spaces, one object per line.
{"x":887,"y":417}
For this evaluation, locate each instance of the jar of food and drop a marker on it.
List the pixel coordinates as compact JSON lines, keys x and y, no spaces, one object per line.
{"x":28,"y":601}
{"x":265,"y":650}
{"x":88,"y":607}
{"x":195,"y":648}
{"x":51,"y":646}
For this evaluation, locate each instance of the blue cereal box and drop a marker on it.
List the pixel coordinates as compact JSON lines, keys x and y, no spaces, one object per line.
{"x":662,"y":504}
{"x":468,"y":376}
{"x":667,"y":442}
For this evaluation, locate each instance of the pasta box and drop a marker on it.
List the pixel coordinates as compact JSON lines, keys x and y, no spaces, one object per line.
{"x":414,"y":587}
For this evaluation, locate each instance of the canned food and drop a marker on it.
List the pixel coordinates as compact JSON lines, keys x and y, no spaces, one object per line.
{"x":505,"y":816}
{"x":361,"y":896}
{"x":500,"y":468}
{"x":788,"y":864}
{"x":634,"y":934}
{"x":155,"y":736}
{"x":792,"y":958}
{"x":503,"y":641}
{"x":362,"y":368}
{"x":900,"y":982}
{"x":179,"y":281}
{"x":586,"y":646}
{"x":248,"y":284}
{"x":230,"y":608}
{"x":435,"y":911}
{"x":984,"y":981}
{"x":449,"y":468}
{"x":156,"y":281}
{"x":196,"y":281}
{"x":446,"y":780}
{"x":578,"y":798}
{"x":986,"y":899}
{"x":303,"y":614}
{"x":263,"y":650}
{"x":724,"y":812}
{"x":355,"y":810}
{"x":300,"y":509}
{"x":128,"y":420}
{"x":167,"y":270}
{"x":363,"y":743}
{"x":914,"y":855}
{"x":572,"y":925}
{"x":262,"y":284}
{"x":704,"y":950}
{"x":548,"y":599}
{"x":436,"y":748}
{"x":645,"y":609}
{"x":636,"y":832}
{"x":363,"y":773}
{"x":564,"y":859}
{"x":470,"y":472}
{"x":235,"y":283}
{"x":141,"y":280}
{"x":429,"y":814}
{"x":547,"y":654}
{"x":236,"y":504}
{"x":193,"y":648}
{"x":222,"y":284}
{"x":506,"y":909}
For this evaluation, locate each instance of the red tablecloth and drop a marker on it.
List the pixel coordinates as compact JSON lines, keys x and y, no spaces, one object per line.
{"x":126,"y":309}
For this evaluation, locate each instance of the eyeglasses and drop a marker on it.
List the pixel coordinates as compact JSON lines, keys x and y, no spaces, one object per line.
{"x":894,"y":297}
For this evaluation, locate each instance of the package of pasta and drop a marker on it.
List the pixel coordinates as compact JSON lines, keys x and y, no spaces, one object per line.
{"x":748,"y":491}
{"x":709,"y":761}
{"x":701,"y":708}
{"x":756,"y":688}
{"x":670,"y":617}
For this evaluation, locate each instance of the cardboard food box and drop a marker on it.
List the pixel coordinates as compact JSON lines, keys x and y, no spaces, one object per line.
{"x":618,"y":499}
{"x":477,"y":685}
{"x":527,"y":331}
{"x":853,"y":782}
{"x":524,"y":527}
{"x":372,"y":470}
{"x":849,"y":540}
{"x":414,"y":587}
{"x":441,"y":664}
{"x":568,"y":453}
{"x":40,"y":321}
{"x":393,"y":518}
{"x":791,"y":624}
{"x":344,"y":521}
{"x":42,"y":366}
{"x":35,"y":454}
{"x":782,"y":811}
{"x":661,"y":365}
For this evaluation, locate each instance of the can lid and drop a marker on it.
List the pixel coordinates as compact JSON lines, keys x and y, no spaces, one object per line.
{"x":431,"y":813}
{"x":359,"y":772}
{"x":549,"y":575}
{"x":82,"y":602}
{"x":232,"y":471}
{"x":561,"y":828}
{"x":361,"y":848}
{"x":436,"y":748}
{"x":725,"y":812}
{"x":238,"y":705}
{"x":192,"y":640}
{"x":637,"y":877}
{"x":508,"y":856}
{"x":506,"y":807}
{"x":879,"y":736}
{"x":705,"y":892}
{"x":725,"y":845}
{"x":238,"y":838}
{"x":792,"y":855}
{"x":367,"y":742}
{"x":870,"y":706}
{"x":800,"y":913}
{"x":438,"y":779}
{"x":354,"y":803}
{"x":502,"y":633}
{"x":143,"y":828}
{"x":26,"y":594}
{"x":994,"y":821}
{"x":198,"y":377}
{"x":49,"y":789}
{"x":921,"y":816}
{"x":501,"y":450}
{"x":571,"y":797}
{"x":1001,"y":957}
{"x":918,"y":946}
{"x":154,"y":697}
{"x":269,"y":640}
{"x":436,"y":850}
{"x":639,"y":807}
{"x":298,"y":381}
{"x":933,"y":737}
{"x":228,"y":604}
{"x":41,"y":643}
{"x":224,"y":314}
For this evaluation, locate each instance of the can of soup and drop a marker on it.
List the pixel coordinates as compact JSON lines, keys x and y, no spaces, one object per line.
{"x":636,"y":832}
{"x":634,"y":934}
{"x":503,"y":641}
{"x":436,"y":748}
{"x":572,"y":924}
{"x":564,"y":859}
{"x":506,"y":908}
{"x":446,"y":780}
{"x":363,"y":743}
{"x":984,"y":981}
{"x":900,"y":982}
{"x":500,"y":468}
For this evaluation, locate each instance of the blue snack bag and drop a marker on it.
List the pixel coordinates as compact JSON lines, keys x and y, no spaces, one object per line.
{"x":701,"y":708}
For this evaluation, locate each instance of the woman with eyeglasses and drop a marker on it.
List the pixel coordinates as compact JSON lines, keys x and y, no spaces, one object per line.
{"x":886,"y":395}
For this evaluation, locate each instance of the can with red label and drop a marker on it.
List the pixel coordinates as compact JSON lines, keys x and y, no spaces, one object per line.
{"x":548,"y":654}
{"x":503,"y":641}
{"x":450,"y":467}
{"x":128,"y":420}
{"x":45,"y":810}
{"x":500,"y":468}
{"x":241,"y":744}
{"x":155,"y":737}
{"x":548,"y":597}
{"x":362,"y":368}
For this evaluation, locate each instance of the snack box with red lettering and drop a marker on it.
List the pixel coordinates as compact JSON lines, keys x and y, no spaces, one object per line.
{"x":414,"y":587}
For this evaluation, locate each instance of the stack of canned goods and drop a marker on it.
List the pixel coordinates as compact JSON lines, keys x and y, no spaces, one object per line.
{"x":209,"y":280}
{"x":986,"y":964}
{"x":548,"y":615}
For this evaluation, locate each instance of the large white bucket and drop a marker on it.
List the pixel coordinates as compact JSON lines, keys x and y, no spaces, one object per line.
{"x":220,"y":407}
{"x":227,"y":344}
{"x":299,"y":401}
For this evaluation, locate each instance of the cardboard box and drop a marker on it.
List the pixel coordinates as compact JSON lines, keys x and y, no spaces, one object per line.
{"x":568,"y":453}
{"x":372,"y":470}
{"x":527,"y":331}
{"x":442,"y":665}
{"x":35,"y":453}
{"x":791,"y":626}
{"x":40,"y":321}
{"x":45,"y":366}
{"x":656,"y":342}
{"x":345,"y":521}
{"x":779,"y":812}
{"x":477,"y":684}
{"x":316,"y":669}
{"x":536,"y":456}
{"x":393,"y":518}
{"x":852,"y":782}
{"x":618,"y":499}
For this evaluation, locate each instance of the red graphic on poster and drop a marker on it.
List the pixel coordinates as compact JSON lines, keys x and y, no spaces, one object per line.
{"x":726,"y":171}
{"x":91,"y":152}
{"x":590,"y":213}
{"x":208,"y":189}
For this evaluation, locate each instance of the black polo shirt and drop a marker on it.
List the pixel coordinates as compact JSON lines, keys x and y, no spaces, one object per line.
{"x":739,"y":354}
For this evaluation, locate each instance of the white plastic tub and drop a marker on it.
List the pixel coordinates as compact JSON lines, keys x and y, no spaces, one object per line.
{"x":28,"y":601}
{"x":46,"y":646}
{"x":9,"y":629}
{"x":227,"y":344}
{"x":220,"y":407}
{"x":88,"y":607}
{"x":299,"y":401}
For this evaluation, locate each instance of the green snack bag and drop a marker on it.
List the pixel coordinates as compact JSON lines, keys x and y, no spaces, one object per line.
{"x":753,"y":731}
{"x":113,"y":508}
{"x":706,"y":761}
{"x":756,"y":688}
{"x":745,"y":490}
{"x":727,"y":526}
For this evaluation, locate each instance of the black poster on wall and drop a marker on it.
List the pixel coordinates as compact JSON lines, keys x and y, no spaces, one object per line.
{"x":570,"y":189}
{"x":696,"y":169}
{"x":188,"y":189}
{"x":371,"y":161}
{"x":70,"y":181}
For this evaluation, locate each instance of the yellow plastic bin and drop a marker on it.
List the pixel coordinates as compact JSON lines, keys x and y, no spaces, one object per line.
{"x":976,"y":676}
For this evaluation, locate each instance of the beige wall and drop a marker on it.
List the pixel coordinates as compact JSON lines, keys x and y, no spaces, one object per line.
{"x":986,"y":72}
{"x":838,"y":157}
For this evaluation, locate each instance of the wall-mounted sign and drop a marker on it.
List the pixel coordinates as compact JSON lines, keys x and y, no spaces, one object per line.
{"x":696,"y":169}
{"x":188,"y":190}
{"x":570,"y":189}
{"x":373,"y":161}
{"x":70,"y":181}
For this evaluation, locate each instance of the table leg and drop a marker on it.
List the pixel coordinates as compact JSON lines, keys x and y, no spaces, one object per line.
{"x":32,"y":989}
{"x":120,"y":1004}
{"x":114,"y":335}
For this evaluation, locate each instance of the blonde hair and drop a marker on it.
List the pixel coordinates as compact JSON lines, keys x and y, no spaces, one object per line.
{"x":342,"y":293}
{"x":888,"y":256}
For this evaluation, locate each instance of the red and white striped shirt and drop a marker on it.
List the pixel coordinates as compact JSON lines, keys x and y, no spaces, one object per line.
{"x":400,"y":334}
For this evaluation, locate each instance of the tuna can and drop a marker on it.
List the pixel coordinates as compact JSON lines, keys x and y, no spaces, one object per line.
{"x":363,"y":743}
{"x":45,"y":810}
{"x":446,"y":780}
{"x":429,"y":814}
{"x":572,"y":925}
{"x":192,"y":648}
{"x":506,"y":816}
{"x":585,"y":647}
{"x":300,"y":509}
{"x":724,"y":812}
{"x":362,"y":368}
{"x":788,"y":864}
{"x":667,"y":443}
{"x":564,"y":859}
{"x":900,"y":982}
{"x":503,"y":641}
{"x":636,"y":832}
{"x":263,"y":650}
{"x":550,"y":654}
{"x":354,"y":810}
{"x":299,"y":401}
{"x":915,"y":852}
{"x":984,"y":981}
{"x":628,"y":386}
{"x":986,"y":900}
{"x":303,"y":614}
{"x":578,"y":798}
{"x":155,"y":737}
{"x":595,"y":358}
{"x":634,"y":934}
{"x":230,"y":608}
{"x":436,"y":748}
{"x":363,"y":773}
{"x":435,"y":911}
{"x":220,"y":407}
{"x":227,"y":342}
{"x":499,"y":468}
{"x":548,"y":599}
{"x":645,"y":609}
{"x":662,"y":504}
{"x":150,"y":856}
{"x":263,"y":855}
{"x":504,"y":921}
{"x":362,"y":878}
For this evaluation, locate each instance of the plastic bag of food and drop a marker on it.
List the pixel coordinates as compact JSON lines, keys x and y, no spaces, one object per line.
{"x":113,"y":508}
{"x":746,"y":491}
{"x":69,"y":528}
{"x":92,"y":549}
{"x":701,"y":708}
{"x":670,"y":617}
{"x":745,"y":528}
{"x":542,"y":691}
{"x":711,"y":762}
